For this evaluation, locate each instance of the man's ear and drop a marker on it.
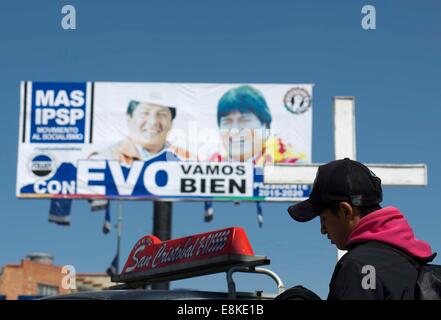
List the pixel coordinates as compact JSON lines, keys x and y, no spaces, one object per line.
{"x":347,"y":210}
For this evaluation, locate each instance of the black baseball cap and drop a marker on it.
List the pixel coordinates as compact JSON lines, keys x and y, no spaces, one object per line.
{"x":340,"y":180}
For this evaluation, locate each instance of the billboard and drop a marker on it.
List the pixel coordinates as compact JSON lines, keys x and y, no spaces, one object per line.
{"x":183,"y":141}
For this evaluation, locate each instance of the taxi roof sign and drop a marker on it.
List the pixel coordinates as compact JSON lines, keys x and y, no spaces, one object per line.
{"x":152,"y":260}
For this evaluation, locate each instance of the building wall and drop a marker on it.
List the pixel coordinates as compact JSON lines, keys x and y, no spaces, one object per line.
{"x":93,"y":282}
{"x":23,"y":279}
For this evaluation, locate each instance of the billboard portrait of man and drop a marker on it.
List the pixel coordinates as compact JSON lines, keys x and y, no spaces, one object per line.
{"x":244,"y":120}
{"x":148,"y":123}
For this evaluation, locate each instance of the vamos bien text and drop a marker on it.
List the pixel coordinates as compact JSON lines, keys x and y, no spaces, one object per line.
{"x":164,"y":178}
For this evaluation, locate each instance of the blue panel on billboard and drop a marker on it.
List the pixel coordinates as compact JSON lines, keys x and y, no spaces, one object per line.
{"x":58,"y":112}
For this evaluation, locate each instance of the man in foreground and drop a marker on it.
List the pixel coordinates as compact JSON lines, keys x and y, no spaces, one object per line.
{"x":382,"y":248}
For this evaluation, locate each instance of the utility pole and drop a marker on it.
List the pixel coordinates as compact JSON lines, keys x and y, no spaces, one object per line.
{"x":162,"y":227}
{"x":118,"y":241}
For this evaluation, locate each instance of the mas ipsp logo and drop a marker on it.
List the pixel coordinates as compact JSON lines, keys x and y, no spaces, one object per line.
{"x":58,"y":112}
{"x":42,"y":165}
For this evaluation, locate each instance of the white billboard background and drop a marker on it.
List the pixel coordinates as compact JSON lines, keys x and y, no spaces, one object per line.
{"x":196,"y":107}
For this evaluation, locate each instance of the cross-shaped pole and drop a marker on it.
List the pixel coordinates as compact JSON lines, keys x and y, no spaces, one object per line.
{"x":345,"y":146}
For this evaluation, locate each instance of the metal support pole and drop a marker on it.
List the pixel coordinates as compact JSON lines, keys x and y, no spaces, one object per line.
{"x":118,"y":243}
{"x":162,"y":225}
{"x":344,"y":134}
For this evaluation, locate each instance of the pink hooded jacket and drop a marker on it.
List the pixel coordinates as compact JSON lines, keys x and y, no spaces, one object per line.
{"x":388,"y":225}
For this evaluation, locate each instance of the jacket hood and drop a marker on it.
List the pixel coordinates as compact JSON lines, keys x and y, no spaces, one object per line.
{"x":388,"y":225}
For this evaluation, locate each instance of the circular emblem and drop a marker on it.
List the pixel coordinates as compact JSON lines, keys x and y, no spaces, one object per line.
{"x":42,"y":165}
{"x":297,"y":100}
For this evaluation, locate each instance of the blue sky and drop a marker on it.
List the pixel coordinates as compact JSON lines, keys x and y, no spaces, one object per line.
{"x":393,"y":72}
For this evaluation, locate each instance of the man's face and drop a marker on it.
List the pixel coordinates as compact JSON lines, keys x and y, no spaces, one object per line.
{"x":336,"y":226}
{"x":242,"y":135}
{"x":149,"y":125}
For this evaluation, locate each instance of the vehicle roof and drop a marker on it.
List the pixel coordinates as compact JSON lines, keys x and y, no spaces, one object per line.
{"x":176,"y":294}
